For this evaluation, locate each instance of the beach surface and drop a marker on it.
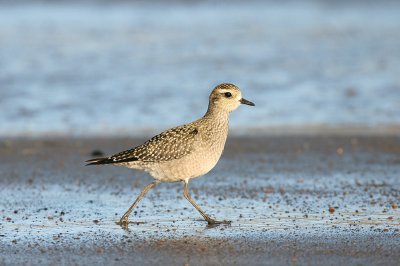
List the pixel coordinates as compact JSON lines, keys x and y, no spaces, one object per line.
{"x":315,"y":200}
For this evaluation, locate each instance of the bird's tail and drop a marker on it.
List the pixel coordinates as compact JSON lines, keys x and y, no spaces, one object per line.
{"x":96,"y":161}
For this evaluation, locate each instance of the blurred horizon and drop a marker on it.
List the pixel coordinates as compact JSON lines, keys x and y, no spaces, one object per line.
{"x":135,"y":68}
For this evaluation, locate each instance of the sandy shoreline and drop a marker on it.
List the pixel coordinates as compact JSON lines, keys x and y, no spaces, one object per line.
{"x":292,"y":200}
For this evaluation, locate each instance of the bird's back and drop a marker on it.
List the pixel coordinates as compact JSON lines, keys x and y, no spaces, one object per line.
{"x":169,"y":145}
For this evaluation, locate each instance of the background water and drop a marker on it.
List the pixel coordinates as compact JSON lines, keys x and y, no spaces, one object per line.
{"x":131,"y":68}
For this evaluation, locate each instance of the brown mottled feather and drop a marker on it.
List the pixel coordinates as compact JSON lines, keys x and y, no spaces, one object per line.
{"x":169,"y":145}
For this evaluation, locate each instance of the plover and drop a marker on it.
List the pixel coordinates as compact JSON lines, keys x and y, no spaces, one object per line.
{"x":183,"y":152}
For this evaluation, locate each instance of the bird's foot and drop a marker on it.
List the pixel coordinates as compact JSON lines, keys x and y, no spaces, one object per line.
{"x":212,"y":222}
{"x":123,"y":222}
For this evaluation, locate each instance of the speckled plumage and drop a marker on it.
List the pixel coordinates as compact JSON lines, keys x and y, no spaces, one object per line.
{"x":186,"y":151}
{"x":172,"y":144}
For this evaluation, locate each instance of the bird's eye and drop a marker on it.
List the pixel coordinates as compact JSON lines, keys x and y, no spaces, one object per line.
{"x":228,"y":94}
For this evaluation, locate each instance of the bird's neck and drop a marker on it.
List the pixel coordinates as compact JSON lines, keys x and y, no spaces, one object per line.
{"x":217,"y":114}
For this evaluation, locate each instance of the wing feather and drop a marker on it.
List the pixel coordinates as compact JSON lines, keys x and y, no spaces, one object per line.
{"x":169,"y":145}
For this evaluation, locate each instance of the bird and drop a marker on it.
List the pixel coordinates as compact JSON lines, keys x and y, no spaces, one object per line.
{"x":183,"y":152}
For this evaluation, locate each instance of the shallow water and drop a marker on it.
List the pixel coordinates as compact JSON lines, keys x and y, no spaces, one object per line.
{"x":127,"y":69}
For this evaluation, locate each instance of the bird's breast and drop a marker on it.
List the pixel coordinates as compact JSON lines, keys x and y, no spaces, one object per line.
{"x":204,"y":157}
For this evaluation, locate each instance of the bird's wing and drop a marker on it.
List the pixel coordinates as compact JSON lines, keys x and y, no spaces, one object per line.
{"x":169,"y":145}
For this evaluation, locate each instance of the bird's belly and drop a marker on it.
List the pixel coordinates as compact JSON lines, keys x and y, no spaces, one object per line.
{"x":188,"y":167}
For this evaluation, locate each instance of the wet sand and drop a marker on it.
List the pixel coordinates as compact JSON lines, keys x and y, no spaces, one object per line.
{"x":292,"y":200}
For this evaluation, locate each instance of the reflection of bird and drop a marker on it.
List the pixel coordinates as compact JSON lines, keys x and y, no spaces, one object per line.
{"x":183,"y":152}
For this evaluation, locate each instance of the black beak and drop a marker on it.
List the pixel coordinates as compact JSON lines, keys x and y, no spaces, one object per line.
{"x":244,"y":101}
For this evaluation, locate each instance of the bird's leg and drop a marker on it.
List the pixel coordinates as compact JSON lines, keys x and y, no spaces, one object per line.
{"x":205,"y":216}
{"x":124,"y":219}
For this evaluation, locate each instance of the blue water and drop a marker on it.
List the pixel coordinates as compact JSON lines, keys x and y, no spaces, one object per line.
{"x":130,"y":69}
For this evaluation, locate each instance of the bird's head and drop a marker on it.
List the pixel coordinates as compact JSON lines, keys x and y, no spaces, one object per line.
{"x":227,"y":97}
